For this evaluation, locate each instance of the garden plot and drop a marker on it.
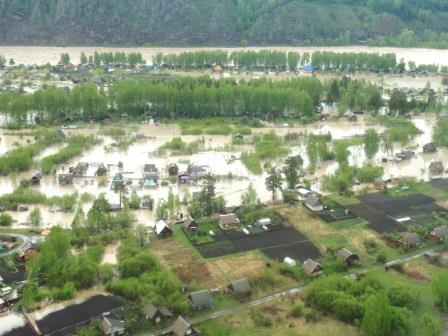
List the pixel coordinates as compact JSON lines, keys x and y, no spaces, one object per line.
{"x":333,"y":212}
{"x":440,"y":184}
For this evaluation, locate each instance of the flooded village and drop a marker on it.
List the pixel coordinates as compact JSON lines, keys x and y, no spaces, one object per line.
{"x":124,"y":212}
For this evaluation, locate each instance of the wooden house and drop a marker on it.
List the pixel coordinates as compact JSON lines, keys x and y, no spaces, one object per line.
{"x":313,"y":203}
{"x":409,"y":240}
{"x":155,"y":314}
{"x":200,"y":300}
{"x":190,"y":224}
{"x":348,"y":257}
{"x":228,"y":222}
{"x":173,"y":169}
{"x":65,"y":179}
{"x":436,"y":168}
{"x":312,"y":268}
{"x":240,"y":288}
{"x":162,"y":230}
{"x":429,"y":148}
{"x":182,"y":328}
{"x":439,"y":233}
{"x":112,"y":326}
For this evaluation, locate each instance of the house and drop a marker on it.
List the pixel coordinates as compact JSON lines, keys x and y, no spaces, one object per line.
{"x":117,"y":181}
{"x":347,"y":256}
{"x":80,"y":169}
{"x":240,"y":288}
{"x":410,"y":240}
{"x":312,"y":268}
{"x":379,"y":184}
{"x":101,"y":170}
{"x":173,"y":169}
{"x":228,"y":222}
{"x":190,"y":224}
{"x":28,"y":251}
{"x":350,"y":116}
{"x":436,"y":168}
{"x":35,"y":178}
{"x":200,"y":300}
{"x":112,"y":326}
{"x":183,"y":178}
{"x":183,"y":328}
{"x":156,"y":315}
{"x":439,"y":233}
{"x":150,"y":169}
{"x":65,"y":179}
{"x":264,"y":222}
{"x":429,"y":148}
{"x":197,"y":172}
{"x":298,"y":158}
{"x":309,"y":68}
{"x":313,"y":203}
{"x":406,"y":155}
{"x":162,"y":230}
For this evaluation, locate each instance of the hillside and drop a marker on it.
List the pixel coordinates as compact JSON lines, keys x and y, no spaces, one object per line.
{"x":224,"y":22}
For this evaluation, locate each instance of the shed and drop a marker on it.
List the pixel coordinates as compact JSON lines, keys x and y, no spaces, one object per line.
{"x":406,"y":155}
{"x":200,"y":300}
{"x":35,"y":178}
{"x":150,"y":169}
{"x":309,"y":68}
{"x":111,"y":326}
{"x":299,"y":159}
{"x":313,"y":203}
{"x":264,"y":222}
{"x":439,"y":233}
{"x":162,"y":230}
{"x":182,"y":328}
{"x":65,"y":179}
{"x":190,"y":224}
{"x":183,"y":178}
{"x":312,"y":268}
{"x":240,"y":288}
{"x":436,"y":168}
{"x":410,"y":240}
{"x":197,"y":171}
{"x":173,"y":169}
{"x":430,"y":148}
{"x":347,"y":256}
{"x":156,"y":315}
{"x":380,"y":184}
{"x":80,"y":169}
{"x":228,"y":222}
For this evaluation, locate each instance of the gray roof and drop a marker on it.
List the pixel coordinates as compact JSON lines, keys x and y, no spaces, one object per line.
{"x":313,"y":201}
{"x":180,"y":327}
{"x":429,"y":147}
{"x":411,"y":238}
{"x":149,"y":168}
{"x":228,"y":219}
{"x":343,"y":254}
{"x":189,"y":222}
{"x":201,"y":298}
{"x":241,"y":286}
{"x":436,"y":167}
{"x":150,"y":310}
{"x":440,"y":232}
{"x":310,"y":266}
{"x":110,"y":324}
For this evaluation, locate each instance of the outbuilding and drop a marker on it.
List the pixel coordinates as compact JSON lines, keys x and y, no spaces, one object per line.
{"x":228,"y":222}
{"x":312,"y":268}
{"x":410,"y":240}
{"x":155,"y":314}
{"x":65,"y":179}
{"x":439,"y":233}
{"x":200,"y":300}
{"x":240,"y":288}
{"x":436,"y":168}
{"x":182,"y":328}
{"x":111,"y":326}
{"x":347,"y":256}
{"x":162,"y":230}
{"x":190,"y":224}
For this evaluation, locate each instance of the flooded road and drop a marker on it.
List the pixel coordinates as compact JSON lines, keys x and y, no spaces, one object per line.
{"x":217,"y":156}
{"x":43,"y":55}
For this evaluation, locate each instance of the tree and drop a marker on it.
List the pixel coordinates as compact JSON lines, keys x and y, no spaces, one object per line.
{"x":162,"y":210}
{"x":134,"y":201}
{"x":2,"y":61}
{"x":249,"y":198}
{"x":208,"y":195}
{"x":333,"y":92}
{"x":83,"y":59}
{"x":377,"y":316}
{"x":440,"y":132}
{"x":341,"y":153}
{"x":387,"y":142}
{"x":375,"y":101}
{"x":291,"y":172}
{"x":35,"y":217}
{"x":398,"y":102}
{"x":430,"y":326}
{"x":274,"y":182}
{"x":371,"y":143}
{"x":64,"y":58}
{"x":440,"y":290}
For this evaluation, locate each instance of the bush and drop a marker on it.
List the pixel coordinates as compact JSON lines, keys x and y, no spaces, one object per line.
{"x":265,"y":280}
{"x":311,"y":316}
{"x":297,"y":309}
{"x":381,"y":258}
{"x":5,"y":219}
{"x":252,"y":163}
{"x":289,"y":197}
{"x":261,"y":319}
{"x":65,"y":293}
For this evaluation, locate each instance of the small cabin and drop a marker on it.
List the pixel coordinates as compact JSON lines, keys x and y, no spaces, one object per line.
{"x":200,"y":300}
{"x":436,"y":168}
{"x":162,"y":230}
{"x":410,"y":240}
{"x":228,"y":222}
{"x":173,"y":169}
{"x":36,"y":178}
{"x":348,"y":257}
{"x":313,"y":203}
{"x":155,"y":314}
{"x":439,"y":233}
{"x":240,"y":288}
{"x":190,"y":224}
{"x":183,"y":178}
{"x":182,"y":328}
{"x":112,"y":326}
{"x":65,"y":179}
{"x":312,"y":268}
{"x":429,"y":148}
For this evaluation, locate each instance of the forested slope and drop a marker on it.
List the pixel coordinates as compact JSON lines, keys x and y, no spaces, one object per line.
{"x":224,"y":22}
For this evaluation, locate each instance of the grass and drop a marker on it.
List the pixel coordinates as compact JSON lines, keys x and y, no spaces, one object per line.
{"x":414,"y":187}
{"x":252,"y":163}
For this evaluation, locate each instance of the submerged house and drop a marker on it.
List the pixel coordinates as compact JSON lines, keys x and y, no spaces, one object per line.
{"x":228,"y":222}
{"x":65,"y":178}
{"x":173,"y":169}
{"x":436,"y":168}
{"x":406,"y":155}
{"x":410,"y":240}
{"x":162,"y":230}
{"x":183,"y":328}
{"x":240,"y":288}
{"x":36,"y":178}
{"x":150,"y":175}
{"x":183,"y":178}
{"x":200,"y":300}
{"x":429,"y":148}
{"x":80,"y":169}
{"x":348,"y":257}
{"x":197,"y":172}
{"x":312,"y":268}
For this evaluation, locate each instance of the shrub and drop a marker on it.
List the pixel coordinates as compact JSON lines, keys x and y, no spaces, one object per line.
{"x":261,"y":319}
{"x":297,"y":309}
{"x":311,"y":316}
{"x":5,"y":219}
{"x":252,"y":163}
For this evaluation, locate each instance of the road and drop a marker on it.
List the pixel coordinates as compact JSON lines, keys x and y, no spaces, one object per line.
{"x":229,"y":311}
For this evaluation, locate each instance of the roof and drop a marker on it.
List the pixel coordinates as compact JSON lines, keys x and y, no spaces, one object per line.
{"x":150,"y":167}
{"x":344,"y":254}
{"x":111,"y":324}
{"x":298,"y":158}
{"x":228,"y":219}
{"x":173,"y":165}
{"x":241,"y":286}
{"x":160,"y":226}
{"x":308,"y":67}
{"x":201,"y":298}
{"x":309,"y":266}
{"x":436,"y":166}
{"x":411,"y":238}
{"x":430,"y":147}
{"x":197,"y":169}
{"x":440,"y":232}
{"x":313,"y":201}
{"x":150,"y":310}
{"x":188,"y":221}
{"x":180,"y":327}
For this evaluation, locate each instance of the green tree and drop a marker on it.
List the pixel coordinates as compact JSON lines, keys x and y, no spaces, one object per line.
{"x":398,"y":102}
{"x":134,"y":201}
{"x":274,"y":182}
{"x":291,"y":172}
{"x":341,"y":153}
{"x":2,"y":61}
{"x":64,"y":58}
{"x":35,"y":217}
{"x":377,"y":316}
{"x":84,"y":59}
{"x":440,"y":290}
{"x":208,"y":195}
{"x":371,"y":143}
{"x":249,"y":198}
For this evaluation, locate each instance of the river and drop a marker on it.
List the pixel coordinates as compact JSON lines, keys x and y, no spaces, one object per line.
{"x":42,"y":55}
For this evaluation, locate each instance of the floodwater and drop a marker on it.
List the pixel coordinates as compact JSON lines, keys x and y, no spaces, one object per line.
{"x":43,"y":55}
{"x":216,"y":156}
{"x":11,"y":321}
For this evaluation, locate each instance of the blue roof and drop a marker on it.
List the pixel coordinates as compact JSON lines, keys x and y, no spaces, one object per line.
{"x":308,"y":67}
